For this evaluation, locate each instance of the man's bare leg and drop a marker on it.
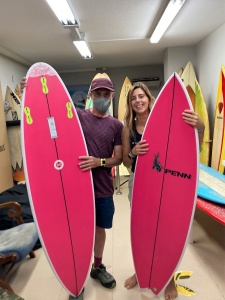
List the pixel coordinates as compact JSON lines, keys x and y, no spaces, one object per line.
{"x":130,"y":282}
{"x":171,"y":291}
{"x":100,"y":237}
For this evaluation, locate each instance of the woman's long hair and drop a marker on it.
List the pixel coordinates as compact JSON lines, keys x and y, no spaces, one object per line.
{"x":130,"y":114}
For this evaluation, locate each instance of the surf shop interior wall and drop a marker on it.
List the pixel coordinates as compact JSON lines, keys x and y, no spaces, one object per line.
{"x":11,"y":73}
{"x":176,"y":58}
{"x":210,"y":55}
{"x":117,"y":76}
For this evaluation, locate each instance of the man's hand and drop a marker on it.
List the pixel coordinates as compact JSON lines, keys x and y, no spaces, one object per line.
{"x":89,"y":162}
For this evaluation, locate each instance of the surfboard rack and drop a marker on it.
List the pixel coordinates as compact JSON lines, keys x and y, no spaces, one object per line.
{"x":214,"y":210}
{"x":117,"y":181}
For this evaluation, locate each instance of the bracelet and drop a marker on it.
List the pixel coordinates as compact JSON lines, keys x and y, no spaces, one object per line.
{"x":103,"y":162}
{"x":131,"y":156}
{"x":132,"y":153}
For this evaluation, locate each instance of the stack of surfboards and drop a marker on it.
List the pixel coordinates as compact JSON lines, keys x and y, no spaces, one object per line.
{"x":60,"y":193}
{"x":6,"y":179}
{"x":123,"y":171}
{"x":12,"y":108}
{"x":194,"y":90}
{"x":218,"y":149}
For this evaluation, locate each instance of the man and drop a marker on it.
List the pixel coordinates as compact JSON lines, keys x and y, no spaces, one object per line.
{"x":103,"y":138}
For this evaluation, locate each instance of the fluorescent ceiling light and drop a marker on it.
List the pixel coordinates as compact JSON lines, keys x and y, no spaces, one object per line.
{"x":169,"y":14}
{"x":63,"y":12}
{"x":83,"y":48}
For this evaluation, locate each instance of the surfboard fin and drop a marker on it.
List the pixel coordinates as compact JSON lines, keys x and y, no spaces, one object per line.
{"x":183,"y":290}
{"x":182,"y":275}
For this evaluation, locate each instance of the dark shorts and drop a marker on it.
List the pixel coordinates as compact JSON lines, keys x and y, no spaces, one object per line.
{"x":104,"y":210}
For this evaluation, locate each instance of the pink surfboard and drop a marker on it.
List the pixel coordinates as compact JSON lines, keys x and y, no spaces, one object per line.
{"x":165,"y":189}
{"x":60,"y":193}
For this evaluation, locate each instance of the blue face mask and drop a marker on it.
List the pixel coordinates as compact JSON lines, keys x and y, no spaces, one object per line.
{"x":101,"y":104}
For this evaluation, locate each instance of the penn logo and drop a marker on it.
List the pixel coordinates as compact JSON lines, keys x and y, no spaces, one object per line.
{"x":178,"y":174}
{"x":159,"y":168}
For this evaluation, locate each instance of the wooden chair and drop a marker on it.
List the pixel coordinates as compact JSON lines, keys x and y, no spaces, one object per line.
{"x":15,"y":243}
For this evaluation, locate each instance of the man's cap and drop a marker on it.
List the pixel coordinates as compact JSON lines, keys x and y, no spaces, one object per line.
{"x":102,"y":83}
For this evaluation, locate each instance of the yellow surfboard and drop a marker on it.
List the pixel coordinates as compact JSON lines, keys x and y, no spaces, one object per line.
{"x":89,"y":103}
{"x":6,"y":179}
{"x":18,"y":92}
{"x":121,"y":114}
{"x":221,"y":168}
{"x":123,"y":99}
{"x":218,"y":133}
{"x":188,"y":76}
{"x":180,"y":72}
{"x":201,"y":110}
{"x":12,"y":108}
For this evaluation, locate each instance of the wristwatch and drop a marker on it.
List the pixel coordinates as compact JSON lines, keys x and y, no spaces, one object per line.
{"x":102,"y":162}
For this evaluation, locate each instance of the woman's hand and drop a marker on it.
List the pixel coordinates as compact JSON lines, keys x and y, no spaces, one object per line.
{"x":193,"y":119}
{"x":140,"y":148}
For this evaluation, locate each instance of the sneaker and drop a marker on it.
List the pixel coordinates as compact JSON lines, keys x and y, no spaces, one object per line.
{"x":80,"y":297}
{"x":106,"y":279}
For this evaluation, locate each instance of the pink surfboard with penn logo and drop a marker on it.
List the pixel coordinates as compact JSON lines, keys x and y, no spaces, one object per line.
{"x":60,"y":193}
{"x":165,"y":189}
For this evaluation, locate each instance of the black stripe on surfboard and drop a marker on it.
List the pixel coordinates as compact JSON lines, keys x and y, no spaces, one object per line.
{"x":74,"y":262}
{"x":171,"y":113}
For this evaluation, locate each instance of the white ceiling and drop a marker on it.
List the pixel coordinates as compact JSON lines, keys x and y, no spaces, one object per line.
{"x":117,"y":31}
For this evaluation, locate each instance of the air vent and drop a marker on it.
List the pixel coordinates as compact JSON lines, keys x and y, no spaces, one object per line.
{"x":151,"y":82}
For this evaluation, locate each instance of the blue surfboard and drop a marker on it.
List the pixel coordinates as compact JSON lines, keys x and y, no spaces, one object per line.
{"x":211,"y":184}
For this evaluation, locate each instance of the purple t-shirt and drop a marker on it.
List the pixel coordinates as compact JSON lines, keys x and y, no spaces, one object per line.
{"x":101,"y":135}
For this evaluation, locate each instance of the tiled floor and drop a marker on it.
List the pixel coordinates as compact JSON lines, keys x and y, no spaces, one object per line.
{"x":34,"y":279}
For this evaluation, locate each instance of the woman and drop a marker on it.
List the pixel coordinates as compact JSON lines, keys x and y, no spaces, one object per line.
{"x":139,"y":104}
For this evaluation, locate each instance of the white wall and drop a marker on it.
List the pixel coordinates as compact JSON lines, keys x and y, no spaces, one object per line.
{"x":11,"y":73}
{"x":210,"y":55}
{"x":176,"y":58}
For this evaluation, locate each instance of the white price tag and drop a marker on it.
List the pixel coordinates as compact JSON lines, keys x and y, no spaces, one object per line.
{"x":52,"y":127}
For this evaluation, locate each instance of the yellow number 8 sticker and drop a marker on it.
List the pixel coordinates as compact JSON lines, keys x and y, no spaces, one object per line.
{"x":28,"y":115}
{"x":44,"y":85}
{"x":69,"y":110}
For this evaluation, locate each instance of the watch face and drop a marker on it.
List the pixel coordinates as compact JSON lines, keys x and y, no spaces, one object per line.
{"x":102,"y":162}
